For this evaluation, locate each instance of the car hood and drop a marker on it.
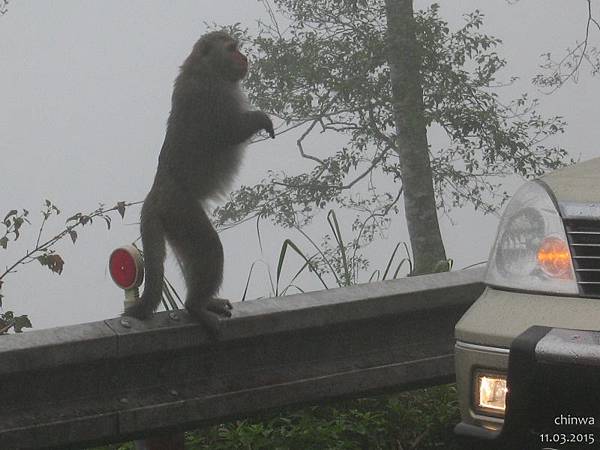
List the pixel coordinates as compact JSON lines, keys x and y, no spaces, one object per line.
{"x":578,"y":183}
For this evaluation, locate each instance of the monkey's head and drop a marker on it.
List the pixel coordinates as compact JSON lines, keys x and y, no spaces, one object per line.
{"x":217,"y":54}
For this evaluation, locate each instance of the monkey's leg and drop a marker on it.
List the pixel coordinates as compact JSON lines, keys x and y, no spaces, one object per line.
{"x":199,"y":249}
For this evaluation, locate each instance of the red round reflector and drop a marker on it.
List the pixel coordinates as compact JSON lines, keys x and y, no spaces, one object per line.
{"x":125,"y":268}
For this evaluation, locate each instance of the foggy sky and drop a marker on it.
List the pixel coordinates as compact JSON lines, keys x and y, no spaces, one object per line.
{"x":85,"y":91}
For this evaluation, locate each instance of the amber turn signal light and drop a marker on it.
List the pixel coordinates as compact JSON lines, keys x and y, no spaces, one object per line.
{"x":554,"y":257}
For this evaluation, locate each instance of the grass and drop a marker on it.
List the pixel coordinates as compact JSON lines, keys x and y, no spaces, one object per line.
{"x":416,"y":420}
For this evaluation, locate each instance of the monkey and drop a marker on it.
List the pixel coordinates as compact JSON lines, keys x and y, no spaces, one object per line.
{"x":207,"y":129}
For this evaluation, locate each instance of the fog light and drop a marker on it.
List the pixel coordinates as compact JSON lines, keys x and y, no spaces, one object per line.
{"x":490,"y":392}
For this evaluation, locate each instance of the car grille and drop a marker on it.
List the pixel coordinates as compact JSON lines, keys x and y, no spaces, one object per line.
{"x":584,"y":240}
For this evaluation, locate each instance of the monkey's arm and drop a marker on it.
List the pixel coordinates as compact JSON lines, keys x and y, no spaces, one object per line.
{"x":249,"y":123}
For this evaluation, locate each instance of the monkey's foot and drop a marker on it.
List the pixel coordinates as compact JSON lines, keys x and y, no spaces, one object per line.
{"x":210,"y":312}
{"x":219,"y":306}
{"x":139,"y":310}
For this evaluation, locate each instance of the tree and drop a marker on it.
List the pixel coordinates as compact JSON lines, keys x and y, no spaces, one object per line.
{"x":411,"y":145}
{"x":557,"y":72}
{"x":331,"y":71}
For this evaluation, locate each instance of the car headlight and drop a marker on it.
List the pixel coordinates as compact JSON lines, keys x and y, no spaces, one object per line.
{"x":531,"y":251}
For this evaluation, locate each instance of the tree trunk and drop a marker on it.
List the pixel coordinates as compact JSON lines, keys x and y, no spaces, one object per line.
{"x":411,"y":140}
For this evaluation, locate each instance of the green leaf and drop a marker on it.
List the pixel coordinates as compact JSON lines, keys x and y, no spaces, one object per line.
{"x":288,"y":243}
{"x":21,"y":322}
{"x":54,"y":262}
{"x":75,"y":217}
{"x":12,"y":212}
{"x":121,"y":209}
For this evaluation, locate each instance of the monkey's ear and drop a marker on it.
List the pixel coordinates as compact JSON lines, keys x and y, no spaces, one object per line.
{"x":204,"y":50}
{"x":201,"y":48}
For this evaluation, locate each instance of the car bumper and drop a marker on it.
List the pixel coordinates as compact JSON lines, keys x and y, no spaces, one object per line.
{"x":553,"y":396}
{"x":470,"y":358}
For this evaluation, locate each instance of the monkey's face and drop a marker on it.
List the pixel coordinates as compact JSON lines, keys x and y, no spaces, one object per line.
{"x":236,"y":62}
{"x":219,"y":54}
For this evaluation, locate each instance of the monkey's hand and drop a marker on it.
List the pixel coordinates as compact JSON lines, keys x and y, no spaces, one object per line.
{"x":250,"y":123}
{"x":265,"y":123}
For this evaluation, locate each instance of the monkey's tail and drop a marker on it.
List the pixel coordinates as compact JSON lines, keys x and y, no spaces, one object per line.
{"x":153,"y":241}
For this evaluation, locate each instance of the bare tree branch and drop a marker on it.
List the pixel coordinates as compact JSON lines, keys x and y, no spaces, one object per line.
{"x":569,"y":66}
{"x":72,"y":223}
{"x":302,"y":137}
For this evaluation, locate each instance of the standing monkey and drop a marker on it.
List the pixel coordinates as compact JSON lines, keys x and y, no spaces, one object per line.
{"x":206,"y":132}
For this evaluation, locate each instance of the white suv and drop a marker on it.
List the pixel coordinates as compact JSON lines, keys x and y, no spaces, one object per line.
{"x":528,"y":350}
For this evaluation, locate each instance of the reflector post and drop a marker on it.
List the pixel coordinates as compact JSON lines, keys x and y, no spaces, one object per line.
{"x":126,"y":267}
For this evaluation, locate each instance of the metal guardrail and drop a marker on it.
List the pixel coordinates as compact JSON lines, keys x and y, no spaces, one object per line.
{"x":115,"y":380}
